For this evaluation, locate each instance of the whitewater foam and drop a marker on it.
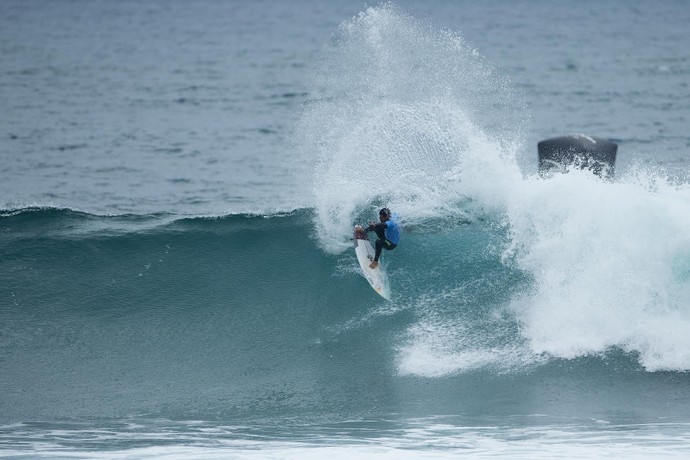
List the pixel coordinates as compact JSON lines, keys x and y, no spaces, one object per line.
{"x":602,"y":257}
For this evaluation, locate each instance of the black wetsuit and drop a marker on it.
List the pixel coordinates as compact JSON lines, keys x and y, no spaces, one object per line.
{"x":381,"y":242}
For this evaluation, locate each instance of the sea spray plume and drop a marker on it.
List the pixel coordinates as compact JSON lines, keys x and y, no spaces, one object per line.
{"x":406,"y":115}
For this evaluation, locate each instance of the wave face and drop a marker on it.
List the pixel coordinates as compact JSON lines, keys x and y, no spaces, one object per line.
{"x":246,"y":316}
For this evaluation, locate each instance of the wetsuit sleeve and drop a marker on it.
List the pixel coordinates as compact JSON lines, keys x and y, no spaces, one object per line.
{"x":372,"y":228}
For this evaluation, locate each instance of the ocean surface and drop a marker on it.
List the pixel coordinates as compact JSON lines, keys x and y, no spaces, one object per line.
{"x":178,"y":185}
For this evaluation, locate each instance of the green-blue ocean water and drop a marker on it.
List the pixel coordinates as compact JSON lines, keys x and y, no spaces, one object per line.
{"x":237,"y":333}
{"x":178,"y":188}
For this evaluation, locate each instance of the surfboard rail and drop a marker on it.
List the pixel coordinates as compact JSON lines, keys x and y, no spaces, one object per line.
{"x":365,"y":252}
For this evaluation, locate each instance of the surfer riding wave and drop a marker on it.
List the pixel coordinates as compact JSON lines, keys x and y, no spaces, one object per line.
{"x":388,"y":233}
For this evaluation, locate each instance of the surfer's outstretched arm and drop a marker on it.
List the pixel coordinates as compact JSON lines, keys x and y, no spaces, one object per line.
{"x":379,"y":229}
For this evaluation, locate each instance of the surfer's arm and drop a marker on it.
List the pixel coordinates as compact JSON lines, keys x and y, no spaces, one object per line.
{"x":373,"y":226}
{"x":379,"y":229}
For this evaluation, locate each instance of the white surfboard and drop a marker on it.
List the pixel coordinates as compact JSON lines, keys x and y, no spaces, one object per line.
{"x":365,"y":254}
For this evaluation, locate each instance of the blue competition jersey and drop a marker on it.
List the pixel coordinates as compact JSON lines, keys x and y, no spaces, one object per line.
{"x":393,"y":230}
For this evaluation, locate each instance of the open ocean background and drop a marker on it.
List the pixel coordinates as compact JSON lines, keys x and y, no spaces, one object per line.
{"x":178,"y":186}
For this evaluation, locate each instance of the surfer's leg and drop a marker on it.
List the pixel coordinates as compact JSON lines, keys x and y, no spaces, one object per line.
{"x":381,"y":244}
{"x":380,"y":231}
{"x":378,"y":246}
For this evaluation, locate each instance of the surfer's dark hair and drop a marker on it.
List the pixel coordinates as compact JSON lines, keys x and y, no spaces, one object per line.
{"x":385,"y":212}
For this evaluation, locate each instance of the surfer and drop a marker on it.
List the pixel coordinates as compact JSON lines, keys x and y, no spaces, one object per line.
{"x":388,"y":232}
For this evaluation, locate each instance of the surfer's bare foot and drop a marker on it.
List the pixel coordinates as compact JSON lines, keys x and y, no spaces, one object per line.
{"x":374,"y":264}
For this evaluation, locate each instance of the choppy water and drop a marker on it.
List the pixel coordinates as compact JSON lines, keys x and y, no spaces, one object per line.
{"x":179,"y":185}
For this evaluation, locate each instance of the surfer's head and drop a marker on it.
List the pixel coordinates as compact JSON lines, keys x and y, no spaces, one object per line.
{"x":384,"y":214}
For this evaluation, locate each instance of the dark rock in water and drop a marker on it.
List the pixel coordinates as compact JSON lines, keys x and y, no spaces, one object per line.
{"x":579,"y":150}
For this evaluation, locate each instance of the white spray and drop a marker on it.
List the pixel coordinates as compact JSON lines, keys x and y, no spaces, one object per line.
{"x":407,"y":116}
